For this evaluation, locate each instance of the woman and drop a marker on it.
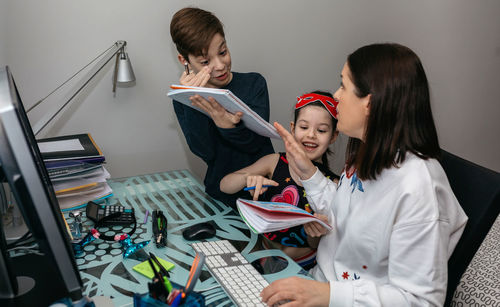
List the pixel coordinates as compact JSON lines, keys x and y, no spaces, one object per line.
{"x":396,"y":220}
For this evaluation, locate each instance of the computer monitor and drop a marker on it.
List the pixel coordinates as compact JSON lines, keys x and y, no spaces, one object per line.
{"x":30,"y":280}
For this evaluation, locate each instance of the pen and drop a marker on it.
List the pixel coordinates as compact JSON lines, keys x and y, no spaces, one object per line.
{"x":186,"y":67}
{"x":253,"y":188}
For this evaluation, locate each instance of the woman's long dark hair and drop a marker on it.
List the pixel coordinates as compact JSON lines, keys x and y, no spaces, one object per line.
{"x":400,"y":118}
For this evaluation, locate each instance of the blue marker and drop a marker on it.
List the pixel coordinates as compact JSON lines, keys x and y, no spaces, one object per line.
{"x":253,"y":188}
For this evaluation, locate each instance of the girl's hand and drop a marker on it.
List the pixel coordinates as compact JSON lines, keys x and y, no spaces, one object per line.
{"x":221,"y":117}
{"x":258,"y":181}
{"x":196,"y":79}
{"x":297,"y":158}
{"x":315,"y":229}
{"x":296,"y":291}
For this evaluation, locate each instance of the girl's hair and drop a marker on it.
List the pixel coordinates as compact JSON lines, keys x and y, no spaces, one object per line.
{"x":192,"y":30}
{"x":324,"y":157}
{"x":400,"y":118}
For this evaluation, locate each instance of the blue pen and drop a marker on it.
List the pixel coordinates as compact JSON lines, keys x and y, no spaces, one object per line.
{"x":253,"y":188}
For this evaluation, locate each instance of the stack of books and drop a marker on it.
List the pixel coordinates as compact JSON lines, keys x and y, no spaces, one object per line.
{"x":75,"y":165}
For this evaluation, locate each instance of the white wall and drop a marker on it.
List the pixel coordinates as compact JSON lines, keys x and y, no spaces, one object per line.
{"x":297,"y":45}
{"x":3,"y":32}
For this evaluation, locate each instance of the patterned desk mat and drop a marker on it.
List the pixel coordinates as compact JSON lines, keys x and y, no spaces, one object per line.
{"x":182,"y":198}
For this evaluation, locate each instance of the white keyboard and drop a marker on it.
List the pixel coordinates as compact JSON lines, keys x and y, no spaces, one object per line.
{"x":241,"y":281}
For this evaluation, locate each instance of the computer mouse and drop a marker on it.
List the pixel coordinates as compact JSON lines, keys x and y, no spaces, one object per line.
{"x":199,"y":231}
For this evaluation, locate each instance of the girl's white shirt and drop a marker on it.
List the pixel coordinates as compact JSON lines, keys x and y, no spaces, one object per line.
{"x":392,"y":236}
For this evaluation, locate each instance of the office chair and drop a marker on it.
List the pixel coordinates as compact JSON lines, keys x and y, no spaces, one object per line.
{"x":478,"y":192}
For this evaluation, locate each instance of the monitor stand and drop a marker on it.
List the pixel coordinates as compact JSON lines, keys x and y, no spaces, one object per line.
{"x":28,"y":269}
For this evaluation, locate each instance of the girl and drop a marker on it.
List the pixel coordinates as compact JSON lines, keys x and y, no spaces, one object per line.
{"x":314,"y":127}
{"x":395,"y":216}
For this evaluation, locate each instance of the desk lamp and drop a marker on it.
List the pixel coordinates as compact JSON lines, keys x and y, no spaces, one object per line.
{"x":123,"y":74}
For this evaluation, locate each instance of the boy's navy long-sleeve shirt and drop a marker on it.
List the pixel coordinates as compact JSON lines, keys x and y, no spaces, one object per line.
{"x":227,"y":150}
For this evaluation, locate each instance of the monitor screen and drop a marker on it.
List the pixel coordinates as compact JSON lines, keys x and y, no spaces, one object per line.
{"x":23,"y":169}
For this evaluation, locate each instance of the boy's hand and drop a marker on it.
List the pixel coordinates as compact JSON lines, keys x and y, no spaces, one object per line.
{"x":258,"y":181}
{"x":221,"y":117}
{"x":315,"y":229}
{"x":199,"y":79}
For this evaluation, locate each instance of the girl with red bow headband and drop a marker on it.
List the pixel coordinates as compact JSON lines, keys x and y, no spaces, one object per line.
{"x":271,"y":179}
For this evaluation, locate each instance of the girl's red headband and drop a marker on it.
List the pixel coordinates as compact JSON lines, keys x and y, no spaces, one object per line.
{"x":329,"y":103}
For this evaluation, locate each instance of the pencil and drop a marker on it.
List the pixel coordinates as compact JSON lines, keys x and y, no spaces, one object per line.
{"x":253,"y":188}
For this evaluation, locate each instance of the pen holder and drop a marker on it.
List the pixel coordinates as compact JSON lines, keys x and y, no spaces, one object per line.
{"x":194,"y":299}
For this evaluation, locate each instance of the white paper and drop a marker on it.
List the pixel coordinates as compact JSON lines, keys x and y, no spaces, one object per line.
{"x":63,"y":145}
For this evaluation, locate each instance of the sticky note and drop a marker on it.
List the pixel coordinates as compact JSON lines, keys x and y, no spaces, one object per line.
{"x":145,"y":269}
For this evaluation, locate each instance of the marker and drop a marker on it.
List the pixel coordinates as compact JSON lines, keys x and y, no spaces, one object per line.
{"x":186,"y":67}
{"x":253,"y":188}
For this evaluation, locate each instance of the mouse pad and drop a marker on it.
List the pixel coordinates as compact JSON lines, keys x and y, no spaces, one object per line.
{"x":145,"y":269}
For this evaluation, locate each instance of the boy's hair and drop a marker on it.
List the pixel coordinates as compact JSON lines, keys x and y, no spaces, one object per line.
{"x":324,"y":157}
{"x":400,"y":118}
{"x":192,"y":30}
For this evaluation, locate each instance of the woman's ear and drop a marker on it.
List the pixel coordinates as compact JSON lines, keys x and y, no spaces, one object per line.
{"x":367,"y":103}
{"x":334,"y":136}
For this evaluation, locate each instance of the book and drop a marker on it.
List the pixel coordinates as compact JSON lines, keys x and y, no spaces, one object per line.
{"x":266,"y":216}
{"x":70,"y":147}
{"x":77,"y":201}
{"x":229,"y":101}
{"x":73,"y":171}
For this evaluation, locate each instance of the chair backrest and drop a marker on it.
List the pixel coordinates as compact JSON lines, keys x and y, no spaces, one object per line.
{"x":478,"y":192}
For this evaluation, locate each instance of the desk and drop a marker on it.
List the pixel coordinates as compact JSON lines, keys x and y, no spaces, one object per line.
{"x":184,"y":202}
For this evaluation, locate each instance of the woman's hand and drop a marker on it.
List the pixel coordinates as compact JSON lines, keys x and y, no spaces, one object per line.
{"x":315,"y":229}
{"x":221,"y":117}
{"x":296,"y":156}
{"x":258,"y":181}
{"x":199,"y":79}
{"x":296,"y":291}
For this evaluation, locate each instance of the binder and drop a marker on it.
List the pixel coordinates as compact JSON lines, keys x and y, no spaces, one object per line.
{"x":229,"y":101}
{"x":76,"y":147}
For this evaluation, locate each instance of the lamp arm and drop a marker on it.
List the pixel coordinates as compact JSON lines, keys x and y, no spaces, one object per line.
{"x":112,"y":51}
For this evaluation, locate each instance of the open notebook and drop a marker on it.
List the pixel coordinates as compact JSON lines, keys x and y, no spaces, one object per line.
{"x":229,"y":101}
{"x":265,"y":216}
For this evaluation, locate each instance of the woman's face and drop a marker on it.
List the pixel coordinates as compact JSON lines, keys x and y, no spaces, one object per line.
{"x":352,"y":111}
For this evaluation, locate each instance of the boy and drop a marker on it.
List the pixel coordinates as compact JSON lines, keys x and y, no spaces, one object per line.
{"x":220,"y":139}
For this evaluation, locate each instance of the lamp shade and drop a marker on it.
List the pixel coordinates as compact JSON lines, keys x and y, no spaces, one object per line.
{"x":124,"y":71}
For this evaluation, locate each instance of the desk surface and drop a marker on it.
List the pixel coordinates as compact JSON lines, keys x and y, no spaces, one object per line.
{"x":182,"y":198}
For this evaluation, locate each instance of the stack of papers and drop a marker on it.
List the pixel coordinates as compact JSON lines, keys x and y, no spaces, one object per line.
{"x":264,"y":216}
{"x":75,"y":167}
